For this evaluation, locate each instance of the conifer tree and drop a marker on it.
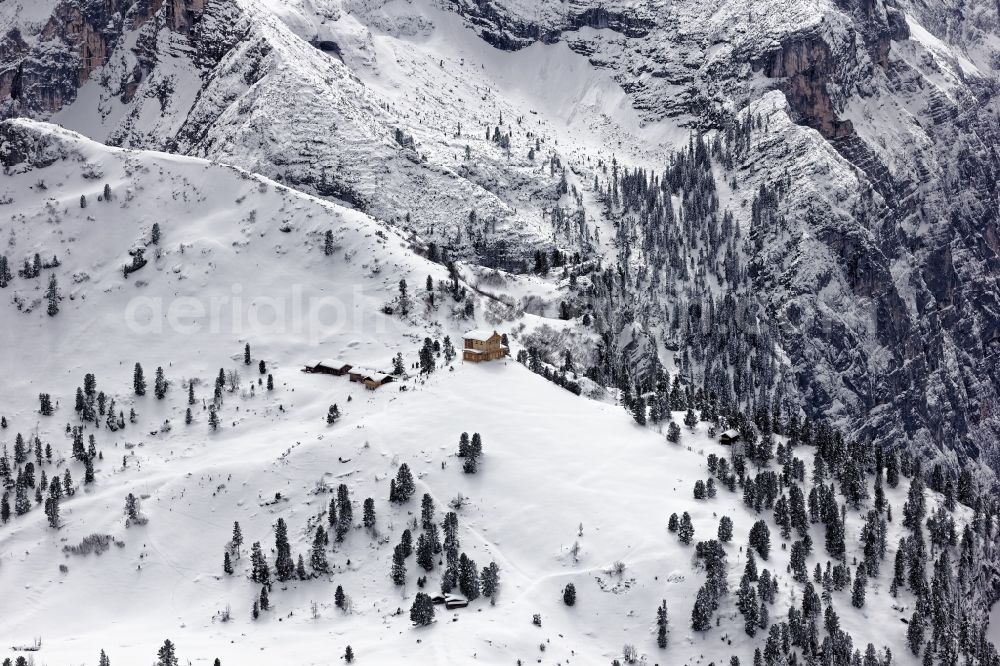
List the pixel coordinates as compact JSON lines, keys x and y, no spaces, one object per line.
{"x":52,"y":296}
{"x":760,"y":538}
{"x":425,"y":553}
{"x":339,"y":598}
{"x":422,"y":610}
{"x":426,"y":511}
{"x":138,"y":380}
{"x":673,"y":523}
{"x":701,"y":614}
{"x":103,"y":660}
{"x":328,"y":243}
{"x":490,"y":581}
{"x":160,"y":384}
{"x":685,"y":530}
{"x":166,"y":655}
{"x":398,"y":570}
{"x":317,"y":558}
{"x":246,"y":354}
{"x":349,"y":655}
{"x":404,"y":487}
{"x":284,"y":565}
{"x":368,"y":515}
{"x":227,"y":563}
{"x":345,"y":512}
{"x":260,"y":572}
{"x":236,"y":542}
{"x":858,"y":592}
{"x":569,"y":594}
{"x":725,"y":529}
{"x":662,"y":625}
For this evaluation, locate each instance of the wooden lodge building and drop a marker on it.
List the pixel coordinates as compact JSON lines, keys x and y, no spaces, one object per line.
{"x":329,"y":367}
{"x":483,"y":345}
{"x":372,"y":380}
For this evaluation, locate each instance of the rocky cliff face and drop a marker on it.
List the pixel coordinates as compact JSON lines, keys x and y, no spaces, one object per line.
{"x":76,"y":41}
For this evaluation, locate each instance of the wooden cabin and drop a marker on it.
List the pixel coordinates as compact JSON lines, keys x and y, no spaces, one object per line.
{"x":729,"y":437}
{"x":450,"y":601}
{"x":483,"y":345}
{"x":329,"y":367}
{"x":371,"y":379}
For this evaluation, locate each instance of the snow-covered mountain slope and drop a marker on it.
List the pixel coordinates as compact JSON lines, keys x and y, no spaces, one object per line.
{"x":423,"y":114}
{"x":566,"y":487}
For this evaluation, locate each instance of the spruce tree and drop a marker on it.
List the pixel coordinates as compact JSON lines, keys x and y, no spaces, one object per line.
{"x":425,"y":553}
{"x":317,"y":558}
{"x":368,"y":514}
{"x":701,"y":614}
{"x":398,"y":570}
{"x":138,"y":380}
{"x":345,"y":512}
{"x":284,"y":565}
{"x":160,"y":384}
{"x":569,"y":594}
{"x":339,"y":598}
{"x":725,"y":529}
{"x":468,"y":577}
{"x":166,"y":655}
{"x":760,"y":538}
{"x":404,"y":487}
{"x":490,"y":581}
{"x":52,"y":296}
{"x":858,"y":592}
{"x":662,"y":625}
{"x":422,"y":610}
{"x":685,"y":530}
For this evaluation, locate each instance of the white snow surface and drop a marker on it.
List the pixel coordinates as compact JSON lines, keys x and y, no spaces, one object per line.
{"x":557,"y":469}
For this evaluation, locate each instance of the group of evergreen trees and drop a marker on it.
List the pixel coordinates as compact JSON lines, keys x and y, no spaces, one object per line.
{"x":847,"y":486}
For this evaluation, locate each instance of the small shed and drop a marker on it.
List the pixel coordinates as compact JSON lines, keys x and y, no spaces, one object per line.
{"x":729,"y":437}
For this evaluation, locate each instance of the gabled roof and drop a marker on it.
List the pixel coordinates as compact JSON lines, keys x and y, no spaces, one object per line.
{"x":480,"y":334}
{"x":333,"y":363}
{"x":732,"y":433}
